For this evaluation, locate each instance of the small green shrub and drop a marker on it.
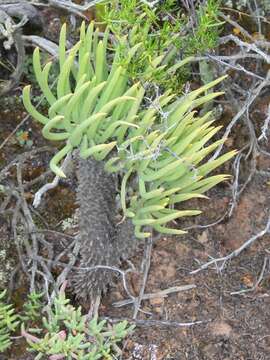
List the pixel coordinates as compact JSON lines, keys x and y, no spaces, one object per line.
{"x":67,"y":334}
{"x":158,"y":150}
{"x":63,"y":333}
{"x":164,"y":29}
{"x":9,"y":321}
{"x":32,"y":307}
{"x":207,"y":31}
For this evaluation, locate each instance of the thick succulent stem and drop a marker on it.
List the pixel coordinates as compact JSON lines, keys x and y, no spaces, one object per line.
{"x":103,"y":242}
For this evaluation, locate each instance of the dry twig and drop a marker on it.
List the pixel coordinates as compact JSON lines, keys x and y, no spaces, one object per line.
{"x":160,"y":323}
{"x":234,"y":253}
{"x":255,"y":286}
{"x":145,"y":267}
{"x":158,"y":294}
{"x":49,"y":186}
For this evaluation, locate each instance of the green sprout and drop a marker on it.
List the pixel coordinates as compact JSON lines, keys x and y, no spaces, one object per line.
{"x":8,"y":322}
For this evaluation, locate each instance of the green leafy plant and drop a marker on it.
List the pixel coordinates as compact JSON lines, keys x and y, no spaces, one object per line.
{"x":29,"y":75}
{"x":67,"y":334}
{"x":32,"y":307}
{"x":159,"y":148}
{"x":63,"y":333}
{"x":166,"y":28}
{"x":9,"y":321}
{"x":207,"y":30}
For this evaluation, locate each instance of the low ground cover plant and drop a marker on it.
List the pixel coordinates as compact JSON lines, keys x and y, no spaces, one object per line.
{"x":59,"y":330}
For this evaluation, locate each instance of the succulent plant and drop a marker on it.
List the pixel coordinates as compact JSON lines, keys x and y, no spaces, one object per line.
{"x":161,"y":148}
{"x":158,"y":149}
{"x":8,"y":322}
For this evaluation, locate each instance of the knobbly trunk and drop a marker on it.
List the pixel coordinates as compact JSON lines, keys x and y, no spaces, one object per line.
{"x":103,"y":242}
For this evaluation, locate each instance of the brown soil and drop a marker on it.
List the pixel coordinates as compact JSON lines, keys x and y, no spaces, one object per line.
{"x":235,"y":326}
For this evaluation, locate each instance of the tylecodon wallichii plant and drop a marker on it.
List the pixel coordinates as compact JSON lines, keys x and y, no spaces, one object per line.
{"x":98,"y":111}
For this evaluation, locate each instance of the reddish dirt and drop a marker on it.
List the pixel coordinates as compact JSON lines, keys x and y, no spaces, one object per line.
{"x":235,"y":326}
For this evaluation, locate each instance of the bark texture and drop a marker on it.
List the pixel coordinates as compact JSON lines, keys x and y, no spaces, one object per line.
{"x":103,"y":242}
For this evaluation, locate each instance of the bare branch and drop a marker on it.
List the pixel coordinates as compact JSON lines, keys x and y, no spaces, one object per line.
{"x":234,"y":253}
{"x":158,"y":322}
{"x":253,"y":96}
{"x":254,"y":287}
{"x":145,"y":266}
{"x":158,"y":294}
{"x":53,"y":184}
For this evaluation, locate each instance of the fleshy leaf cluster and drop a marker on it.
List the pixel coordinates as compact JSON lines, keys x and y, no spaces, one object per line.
{"x":158,"y":150}
{"x":8,"y":322}
{"x":68,"y":334}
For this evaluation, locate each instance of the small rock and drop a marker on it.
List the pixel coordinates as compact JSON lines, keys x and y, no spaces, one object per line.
{"x":247,"y":280}
{"x":157,"y":304}
{"x":203,"y":237}
{"x":181,"y":249}
{"x":220,"y":328}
